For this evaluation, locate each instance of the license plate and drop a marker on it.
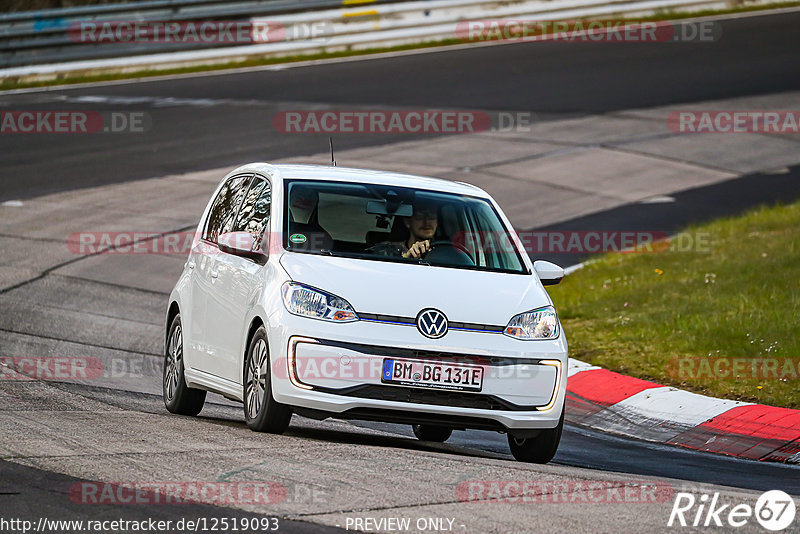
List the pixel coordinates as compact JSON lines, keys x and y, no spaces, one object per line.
{"x":435,"y":375}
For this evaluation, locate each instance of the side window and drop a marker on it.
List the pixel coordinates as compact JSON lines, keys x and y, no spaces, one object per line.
{"x":254,"y":215}
{"x":497,"y":244}
{"x":223,"y":212}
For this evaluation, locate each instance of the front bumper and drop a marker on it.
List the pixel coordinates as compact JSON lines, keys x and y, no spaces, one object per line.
{"x":335,"y":369}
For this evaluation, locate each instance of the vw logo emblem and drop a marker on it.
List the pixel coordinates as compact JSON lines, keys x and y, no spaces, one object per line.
{"x":432,"y":323}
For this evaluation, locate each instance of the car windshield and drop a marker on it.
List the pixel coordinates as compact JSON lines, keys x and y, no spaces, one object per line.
{"x":382,"y":223}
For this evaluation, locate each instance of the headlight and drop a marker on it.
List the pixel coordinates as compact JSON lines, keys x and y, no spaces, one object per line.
{"x":535,"y":324}
{"x":309,"y":302}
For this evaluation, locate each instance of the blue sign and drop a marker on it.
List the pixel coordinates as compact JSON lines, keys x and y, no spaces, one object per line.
{"x":388,"y":365}
{"x":46,"y":24}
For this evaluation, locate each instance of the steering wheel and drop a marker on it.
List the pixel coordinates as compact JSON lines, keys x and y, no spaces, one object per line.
{"x":449,"y":253}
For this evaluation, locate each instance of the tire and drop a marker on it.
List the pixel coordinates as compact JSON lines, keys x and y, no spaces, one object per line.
{"x":539,"y":449}
{"x":439,"y":434}
{"x":261,"y":411}
{"x":178,"y":397}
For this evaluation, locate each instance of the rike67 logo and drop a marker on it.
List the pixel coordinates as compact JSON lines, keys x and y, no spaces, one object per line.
{"x":774,"y":510}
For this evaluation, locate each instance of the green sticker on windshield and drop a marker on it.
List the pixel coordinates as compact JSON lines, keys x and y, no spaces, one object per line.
{"x":297,"y":238}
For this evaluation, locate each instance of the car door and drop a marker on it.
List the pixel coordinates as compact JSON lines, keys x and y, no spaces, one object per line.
{"x":203,"y":262}
{"x":194,"y":330}
{"x":236,"y":285}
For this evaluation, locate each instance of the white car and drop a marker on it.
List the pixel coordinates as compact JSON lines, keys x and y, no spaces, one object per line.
{"x":356,"y":294}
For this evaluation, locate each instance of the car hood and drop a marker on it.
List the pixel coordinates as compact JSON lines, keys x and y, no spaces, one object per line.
{"x":403,"y":290}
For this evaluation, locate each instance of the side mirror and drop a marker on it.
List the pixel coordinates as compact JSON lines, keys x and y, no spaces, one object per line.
{"x":549,"y":273}
{"x":240,"y":244}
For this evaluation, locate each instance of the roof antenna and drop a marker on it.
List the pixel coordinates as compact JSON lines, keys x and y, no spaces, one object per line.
{"x":333,"y":159}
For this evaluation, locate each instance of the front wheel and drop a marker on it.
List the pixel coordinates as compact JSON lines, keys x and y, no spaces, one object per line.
{"x":539,"y":449}
{"x":261,"y":411}
{"x":178,"y":397}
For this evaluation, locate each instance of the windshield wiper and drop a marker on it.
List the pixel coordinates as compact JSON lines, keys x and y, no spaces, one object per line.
{"x":336,"y":254}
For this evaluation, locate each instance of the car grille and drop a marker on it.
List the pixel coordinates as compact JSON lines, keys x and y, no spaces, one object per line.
{"x":411,"y":321}
{"x":402,"y":352}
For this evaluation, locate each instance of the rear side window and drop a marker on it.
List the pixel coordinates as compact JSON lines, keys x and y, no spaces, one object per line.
{"x":223,"y":212}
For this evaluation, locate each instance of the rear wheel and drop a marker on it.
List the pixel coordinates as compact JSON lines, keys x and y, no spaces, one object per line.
{"x":261,"y":411}
{"x":539,"y":449}
{"x":178,"y":397}
{"x":438,"y":434}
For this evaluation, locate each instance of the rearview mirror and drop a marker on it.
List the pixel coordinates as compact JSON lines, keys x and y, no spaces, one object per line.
{"x":383,"y":207}
{"x":241,"y":244}
{"x":549,"y":273}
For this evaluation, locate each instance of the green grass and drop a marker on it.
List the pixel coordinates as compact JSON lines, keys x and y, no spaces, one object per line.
{"x":12,"y":83}
{"x":638,"y":313}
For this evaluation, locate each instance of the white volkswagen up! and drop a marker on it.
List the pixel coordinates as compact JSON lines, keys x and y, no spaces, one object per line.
{"x":327,"y":291}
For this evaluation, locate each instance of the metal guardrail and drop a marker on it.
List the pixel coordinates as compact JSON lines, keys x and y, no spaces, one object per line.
{"x":35,"y":37}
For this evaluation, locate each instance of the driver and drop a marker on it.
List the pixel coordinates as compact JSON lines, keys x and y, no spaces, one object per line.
{"x":421,"y":226}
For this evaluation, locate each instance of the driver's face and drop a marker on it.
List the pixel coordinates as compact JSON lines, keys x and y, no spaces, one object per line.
{"x":422,"y":224}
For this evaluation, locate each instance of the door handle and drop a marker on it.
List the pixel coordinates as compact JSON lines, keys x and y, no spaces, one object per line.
{"x":214,"y":274}
{"x":190,"y":264}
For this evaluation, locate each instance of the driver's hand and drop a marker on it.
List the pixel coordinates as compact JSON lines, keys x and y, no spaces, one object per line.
{"x":418,"y":249}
